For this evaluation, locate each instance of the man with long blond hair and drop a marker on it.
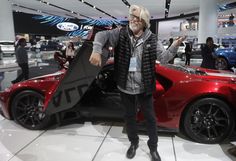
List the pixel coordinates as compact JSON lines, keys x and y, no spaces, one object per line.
{"x":137,"y":49}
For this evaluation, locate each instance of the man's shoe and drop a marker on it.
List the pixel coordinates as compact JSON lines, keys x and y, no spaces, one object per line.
{"x":131,"y":151}
{"x":155,"y":156}
{"x":232,"y":151}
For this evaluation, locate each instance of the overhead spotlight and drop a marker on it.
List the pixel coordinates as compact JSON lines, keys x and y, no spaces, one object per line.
{"x":82,"y":1}
{"x":94,"y":7}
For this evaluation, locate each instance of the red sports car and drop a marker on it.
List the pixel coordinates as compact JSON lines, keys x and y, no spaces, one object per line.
{"x":198,"y":102}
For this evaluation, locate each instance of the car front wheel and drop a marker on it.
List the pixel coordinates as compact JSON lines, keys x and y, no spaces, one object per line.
{"x":27,"y":110}
{"x":208,"y":120}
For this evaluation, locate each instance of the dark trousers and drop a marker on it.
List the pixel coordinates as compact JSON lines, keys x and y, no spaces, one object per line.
{"x":70,"y":59}
{"x":145,"y":102}
{"x":24,"y":73}
{"x":187,"y":61}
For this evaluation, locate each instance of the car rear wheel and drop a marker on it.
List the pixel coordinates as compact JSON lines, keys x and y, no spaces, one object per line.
{"x":27,"y":110}
{"x":208,"y":120}
{"x":221,"y":64}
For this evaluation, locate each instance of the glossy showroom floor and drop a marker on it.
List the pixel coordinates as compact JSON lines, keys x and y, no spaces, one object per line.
{"x":94,"y":142}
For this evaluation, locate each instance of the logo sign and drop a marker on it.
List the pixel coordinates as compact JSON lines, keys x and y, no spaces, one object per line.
{"x":67,"y":26}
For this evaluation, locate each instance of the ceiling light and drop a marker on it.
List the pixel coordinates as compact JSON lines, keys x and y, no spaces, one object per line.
{"x":94,"y":7}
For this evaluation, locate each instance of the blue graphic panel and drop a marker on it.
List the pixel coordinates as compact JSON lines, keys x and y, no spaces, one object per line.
{"x":82,"y":30}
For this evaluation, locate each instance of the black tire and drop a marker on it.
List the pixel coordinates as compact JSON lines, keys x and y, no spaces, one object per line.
{"x":208,"y":120}
{"x":221,"y":64}
{"x":27,"y":109}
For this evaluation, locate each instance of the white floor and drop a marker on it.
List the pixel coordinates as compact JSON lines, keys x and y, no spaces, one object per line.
{"x":101,"y":142}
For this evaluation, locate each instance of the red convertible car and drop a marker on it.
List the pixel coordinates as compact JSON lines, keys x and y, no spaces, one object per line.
{"x":197,"y":102}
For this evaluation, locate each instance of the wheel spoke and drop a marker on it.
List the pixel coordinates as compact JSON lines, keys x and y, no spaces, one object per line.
{"x":21,"y":108}
{"x":21,"y":104}
{"x":209,"y":132}
{"x":219,"y":124}
{"x":23,"y":120}
{"x":221,"y":119}
{"x":197,"y":128}
{"x":28,"y":100}
{"x":34,"y":101}
{"x":37,"y":119}
{"x":32,"y":120}
{"x":215,"y":113}
{"x":21,"y":116}
{"x":210,"y":109}
{"x":215,"y":131}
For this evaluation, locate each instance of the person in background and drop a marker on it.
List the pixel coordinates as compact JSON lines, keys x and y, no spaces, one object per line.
{"x":137,"y":50}
{"x":70,"y":52}
{"x":171,"y":40}
{"x":231,"y":20}
{"x":188,"y":50}
{"x":208,"y":54}
{"x":22,"y":60}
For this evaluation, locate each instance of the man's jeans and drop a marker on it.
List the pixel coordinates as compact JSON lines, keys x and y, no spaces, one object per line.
{"x":145,"y":103}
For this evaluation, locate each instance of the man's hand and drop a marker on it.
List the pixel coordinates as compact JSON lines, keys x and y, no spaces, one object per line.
{"x":180,"y":40}
{"x":95,"y":59}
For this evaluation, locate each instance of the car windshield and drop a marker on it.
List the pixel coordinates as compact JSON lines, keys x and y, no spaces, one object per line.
{"x":186,"y":69}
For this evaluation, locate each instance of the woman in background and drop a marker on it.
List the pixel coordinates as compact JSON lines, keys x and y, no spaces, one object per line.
{"x":188,"y":50}
{"x":70,"y":52}
{"x":208,"y":54}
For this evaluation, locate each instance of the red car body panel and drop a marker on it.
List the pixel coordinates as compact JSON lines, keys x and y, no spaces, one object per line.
{"x":44,"y":84}
{"x":176,"y":88}
{"x":189,"y":87}
{"x":169,"y":102}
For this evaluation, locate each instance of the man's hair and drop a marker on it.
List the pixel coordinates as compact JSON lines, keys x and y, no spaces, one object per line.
{"x":144,"y":14}
{"x":21,"y":40}
{"x":209,"y":39}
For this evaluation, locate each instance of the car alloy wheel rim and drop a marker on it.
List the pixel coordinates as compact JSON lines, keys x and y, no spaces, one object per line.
{"x":209,"y":122}
{"x":221,"y":63}
{"x":29,"y":111}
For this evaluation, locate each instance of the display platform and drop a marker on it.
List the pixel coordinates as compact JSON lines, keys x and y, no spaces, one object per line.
{"x":97,"y":142}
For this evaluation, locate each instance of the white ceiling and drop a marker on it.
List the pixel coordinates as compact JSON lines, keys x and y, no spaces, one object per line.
{"x":115,"y":8}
